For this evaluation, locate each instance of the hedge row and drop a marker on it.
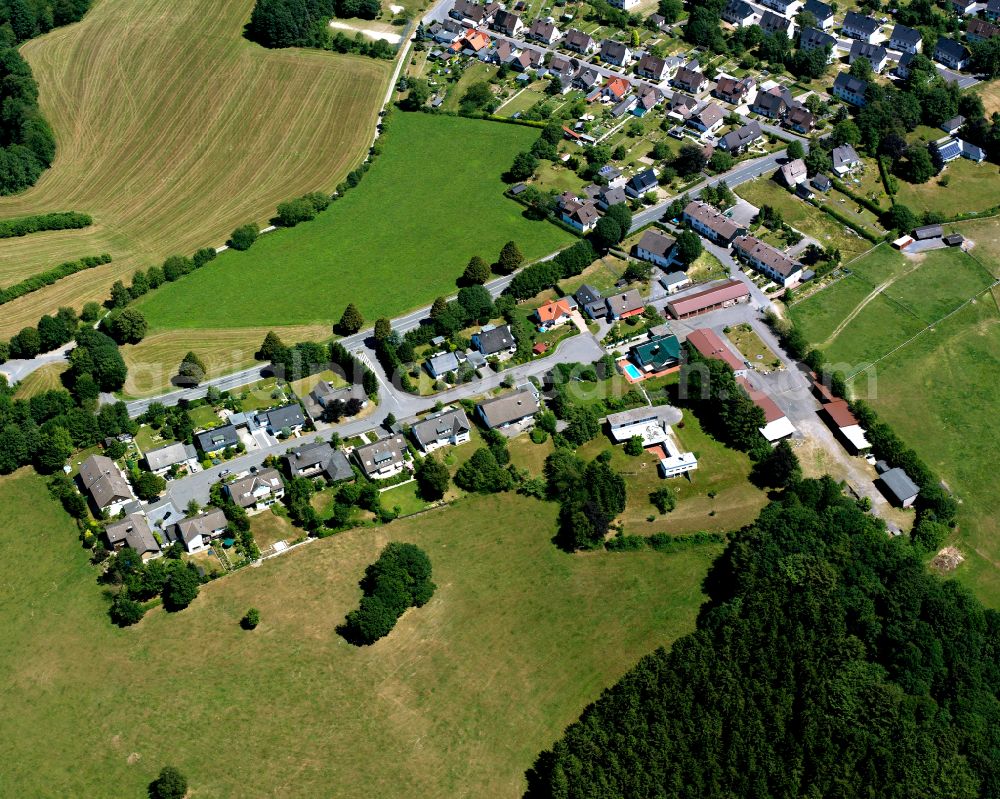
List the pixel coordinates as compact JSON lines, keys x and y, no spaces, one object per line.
{"x":662,"y":542}
{"x":22,"y":226}
{"x":50,"y":276}
{"x":861,"y":231}
{"x":864,"y":201}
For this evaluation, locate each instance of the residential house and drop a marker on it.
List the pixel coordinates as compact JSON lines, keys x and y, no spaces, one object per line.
{"x":845,"y":159}
{"x":820,"y":182}
{"x":768,"y":260}
{"x":850,"y":89}
{"x":902,"y":68}
{"x":656,"y":247}
{"x":734,"y":90}
{"x":287,"y":417}
{"x":590,"y":300}
{"x":616,"y":88}
{"x":794,"y":172}
{"x":772,"y":23}
{"x":979,"y":30}
{"x":653,"y":67}
{"x":709,"y":344}
{"x":624,"y":5}
{"x":544,"y":30}
{"x":776,"y":426}
{"x":513,"y":408}
{"x":586,"y":79}
{"x":823,"y":12}
{"x":383,"y":459}
{"x":682,"y":105}
{"x":875,"y":53}
{"x":704,"y":219}
{"x":641,"y":183}
{"x":649,"y":97}
{"x":622,"y":306}
{"x":257,"y":491}
{"x":993,"y":10}
{"x":447,"y":428}
{"x":951,"y":53}
{"x":788,"y":8}
{"x":616,"y":53}
{"x":318,"y":459}
{"x":610,"y":195}
{"x":445,"y":32}
{"x":555,"y":313}
{"x":563,"y":68}
{"x":815,"y":39}
{"x":659,"y":22}
{"x":690,"y":80}
{"x":950,"y":148}
{"x":799,"y":119}
{"x":739,"y":13}
{"x":772,"y":104}
{"x":133,"y":532}
{"x":858,"y":26}
{"x":325,"y":395}
{"x":897,"y":485}
{"x":217,"y":439}
{"x":579,"y":42}
{"x":198,"y":532}
{"x":582,"y":216}
{"x":501,"y":52}
{"x":471,"y":43}
{"x":162,"y":460}
{"x":528,"y":59}
{"x":709,"y":119}
{"x":673,"y":282}
{"x":441,"y":364}
{"x":963,"y":7}
{"x":951,"y":126}
{"x":839,"y":418}
{"x":905,"y":40}
{"x":470,"y":12}
{"x":508,"y":24}
{"x":723,"y":296}
{"x":495,"y":341}
{"x":650,"y":423}
{"x":656,"y":356}
{"x":737,"y":141}
{"x":101,"y":478}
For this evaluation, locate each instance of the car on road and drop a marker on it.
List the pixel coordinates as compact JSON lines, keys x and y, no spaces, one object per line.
{"x":224,"y":472}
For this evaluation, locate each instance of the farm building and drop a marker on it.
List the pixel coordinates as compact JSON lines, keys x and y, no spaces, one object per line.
{"x":729,"y":293}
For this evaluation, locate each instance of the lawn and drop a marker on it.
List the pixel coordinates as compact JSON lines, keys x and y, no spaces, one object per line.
{"x":475,"y":72}
{"x":458,"y":700}
{"x":878,"y":327}
{"x":153,"y":362}
{"x":706,"y":267}
{"x":172,"y":130}
{"x":944,"y":280}
{"x":405,"y":498}
{"x":271,"y":526}
{"x":939,"y":393}
{"x":819,"y":315}
{"x":971,"y":187}
{"x":752,"y":347}
{"x":301,"y":388}
{"x":985,"y":236}
{"x":423,"y":216}
{"x":521,"y":101}
{"x":204,"y":416}
{"x":804,"y":217}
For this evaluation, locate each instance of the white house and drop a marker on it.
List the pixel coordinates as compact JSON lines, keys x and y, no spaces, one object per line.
{"x":656,"y":247}
{"x":198,"y":532}
{"x":447,"y":428}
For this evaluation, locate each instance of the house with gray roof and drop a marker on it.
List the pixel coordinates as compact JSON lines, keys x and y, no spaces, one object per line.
{"x":106,"y":485}
{"x":160,"y":461}
{"x":850,"y":89}
{"x":217,"y":439}
{"x":325,"y":395}
{"x":579,"y":42}
{"x":875,"y":53}
{"x":641,"y":183}
{"x":815,"y":39}
{"x":447,"y":428}
{"x":616,"y":53}
{"x":653,"y":67}
{"x":590,"y":300}
{"x":133,"y":532}
{"x":739,"y":13}
{"x":442,"y":363}
{"x":287,"y":417}
{"x":951,"y":53}
{"x":772,"y":23}
{"x":257,"y":491}
{"x":906,"y":40}
{"x":319,"y":459}
{"x":823,"y":13}
{"x":897,"y":485}
{"x":622,"y":306}
{"x":509,"y":409}
{"x":383,"y":459}
{"x":495,"y":341}
{"x":736,"y":141}
{"x":198,"y":532}
{"x":858,"y":26}
{"x":674,"y":282}
{"x":845,"y":158}
{"x":656,"y":247}
{"x":544,"y":30}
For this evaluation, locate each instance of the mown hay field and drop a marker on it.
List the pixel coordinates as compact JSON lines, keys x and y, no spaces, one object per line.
{"x":173,"y":129}
{"x":456,"y":702}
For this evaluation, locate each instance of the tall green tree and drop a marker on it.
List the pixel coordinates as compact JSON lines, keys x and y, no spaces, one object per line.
{"x":351,"y":321}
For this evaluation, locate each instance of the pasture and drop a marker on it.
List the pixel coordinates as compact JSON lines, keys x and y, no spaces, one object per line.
{"x":172,"y":129}
{"x":430,"y":202}
{"x":457,"y":701}
{"x":939,"y":390}
{"x":970,"y":187}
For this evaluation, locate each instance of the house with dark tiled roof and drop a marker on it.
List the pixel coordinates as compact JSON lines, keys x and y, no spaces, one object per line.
{"x":823,"y":12}
{"x":582,"y":216}
{"x":616,"y":53}
{"x":579,"y":42}
{"x":318,"y":459}
{"x":625,"y":305}
{"x":447,"y":428}
{"x":653,"y":67}
{"x":768,"y":260}
{"x":590,"y":300}
{"x":507,"y":23}
{"x":905,"y":40}
{"x":690,"y":80}
{"x":196,"y":533}
{"x":739,"y":13}
{"x":641,"y":183}
{"x":845,"y":158}
{"x":656,"y":247}
{"x":734,"y":90}
{"x":979,"y":30}
{"x":993,"y":10}
{"x":383,"y":459}
{"x":771,"y":104}
{"x":772,"y":23}
{"x":858,"y":26}
{"x":105,"y":483}
{"x":800,"y":119}
{"x":544,"y":30}
{"x":509,"y":409}
{"x":708,"y":222}
{"x":738,"y":140}
{"x":133,"y":532}
{"x":875,"y":53}
{"x":850,"y":89}
{"x":257,"y":491}
{"x":649,"y":97}
{"x":286,"y":418}
{"x":495,"y":341}
{"x":708,"y":119}
{"x":815,"y":39}
{"x":217,"y":439}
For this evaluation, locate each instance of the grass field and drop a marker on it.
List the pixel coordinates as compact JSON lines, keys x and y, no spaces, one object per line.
{"x":804,"y":217}
{"x":939,"y":390}
{"x":43,"y":379}
{"x":172,"y":130}
{"x":971,"y":187}
{"x":431,"y":201}
{"x":456,"y":702}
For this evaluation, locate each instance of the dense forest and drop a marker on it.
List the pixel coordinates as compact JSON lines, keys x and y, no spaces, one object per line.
{"x":827,"y":662}
{"x":27,"y":145}
{"x":303,"y":23}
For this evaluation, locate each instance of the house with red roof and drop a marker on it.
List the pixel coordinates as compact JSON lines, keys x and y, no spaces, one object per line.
{"x":555,"y":313}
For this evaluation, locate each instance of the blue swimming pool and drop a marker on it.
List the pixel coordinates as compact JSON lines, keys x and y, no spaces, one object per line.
{"x":631,"y":371}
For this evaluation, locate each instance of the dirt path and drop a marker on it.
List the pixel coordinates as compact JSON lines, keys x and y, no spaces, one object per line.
{"x":879,"y":289}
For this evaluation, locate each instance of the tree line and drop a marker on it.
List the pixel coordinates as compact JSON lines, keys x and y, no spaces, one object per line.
{"x":856,"y":673}
{"x":50,"y":276}
{"x":303,"y":23}
{"x":61,"y":220}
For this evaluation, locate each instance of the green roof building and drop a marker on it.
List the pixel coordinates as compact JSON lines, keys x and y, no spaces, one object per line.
{"x":657,"y":354}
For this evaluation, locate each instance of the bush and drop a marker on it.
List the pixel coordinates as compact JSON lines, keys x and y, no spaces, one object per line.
{"x":243,"y":237}
{"x":170,"y":784}
{"x":251,"y":619}
{"x":663,"y":499}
